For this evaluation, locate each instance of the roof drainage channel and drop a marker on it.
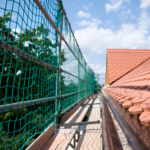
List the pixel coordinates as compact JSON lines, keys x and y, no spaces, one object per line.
{"x":111,"y":139}
{"x":134,"y":142}
{"x":121,"y":134}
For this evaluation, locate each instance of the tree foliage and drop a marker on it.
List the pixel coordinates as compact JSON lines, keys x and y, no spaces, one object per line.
{"x":23,"y":80}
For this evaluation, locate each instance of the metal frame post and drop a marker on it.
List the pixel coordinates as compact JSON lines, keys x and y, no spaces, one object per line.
{"x":56,"y":100}
{"x":85,"y":78}
{"x":97,"y":83}
{"x":78,"y":77}
{"x":61,"y":28}
{"x":58,"y":75}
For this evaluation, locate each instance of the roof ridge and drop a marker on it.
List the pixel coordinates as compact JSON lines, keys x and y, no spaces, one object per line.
{"x":131,"y":70}
{"x":128,"y":50}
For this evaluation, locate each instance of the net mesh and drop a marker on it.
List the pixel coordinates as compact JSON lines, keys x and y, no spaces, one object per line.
{"x":32,"y":89}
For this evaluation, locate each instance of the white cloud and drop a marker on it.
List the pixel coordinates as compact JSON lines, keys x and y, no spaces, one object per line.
{"x":133,"y":17}
{"x":144,"y":20}
{"x":126,"y":12}
{"x":82,"y":14}
{"x":92,"y":23}
{"x":112,"y":26}
{"x":94,"y":40}
{"x":86,"y":59}
{"x":98,"y":68}
{"x":14,"y":17}
{"x":144,"y":4}
{"x":17,"y":30}
{"x":114,"y":5}
{"x":18,"y":72}
{"x":88,"y":6}
{"x":108,"y":22}
{"x":128,"y":1}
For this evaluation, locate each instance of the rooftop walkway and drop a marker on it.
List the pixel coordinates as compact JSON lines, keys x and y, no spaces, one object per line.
{"x":91,"y":138}
{"x":74,"y":132}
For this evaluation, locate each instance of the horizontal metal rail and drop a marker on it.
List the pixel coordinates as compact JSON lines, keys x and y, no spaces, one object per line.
{"x":59,"y":1}
{"x":48,"y":17}
{"x":79,"y":123}
{"x":55,"y":27}
{"x":23,"y":54}
{"x":13,"y":106}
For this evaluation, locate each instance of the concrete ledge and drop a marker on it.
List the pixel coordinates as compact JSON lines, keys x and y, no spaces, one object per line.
{"x":42,"y":139}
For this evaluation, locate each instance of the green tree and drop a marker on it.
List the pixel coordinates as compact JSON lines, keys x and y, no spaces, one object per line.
{"x":23,"y":80}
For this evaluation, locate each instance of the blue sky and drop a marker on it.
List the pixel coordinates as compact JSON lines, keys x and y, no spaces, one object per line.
{"x":102,"y":24}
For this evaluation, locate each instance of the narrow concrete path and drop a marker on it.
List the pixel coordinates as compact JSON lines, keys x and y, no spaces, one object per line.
{"x":91,"y":138}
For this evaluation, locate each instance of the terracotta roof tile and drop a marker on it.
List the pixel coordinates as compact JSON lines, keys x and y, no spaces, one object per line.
{"x":136,"y":109}
{"x":121,"y":61}
{"x":121,"y":101}
{"x":127,"y":104}
{"x":145,"y":118}
{"x":146,"y":105}
{"x":138,"y":101}
{"x":132,"y":90}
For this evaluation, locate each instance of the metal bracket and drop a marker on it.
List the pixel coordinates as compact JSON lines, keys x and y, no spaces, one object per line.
{"x":74,"y":142}
{"x":80,"y":123}
{"x":86,"y":105}
{"x":90,"y":104}
{"x":96,"y":103}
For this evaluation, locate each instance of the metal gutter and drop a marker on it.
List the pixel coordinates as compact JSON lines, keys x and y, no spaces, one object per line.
{"x":111,"y":139}
{"x":133,"y":139}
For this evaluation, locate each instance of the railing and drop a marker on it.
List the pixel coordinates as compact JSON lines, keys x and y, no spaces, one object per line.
{"x":42,"y":70}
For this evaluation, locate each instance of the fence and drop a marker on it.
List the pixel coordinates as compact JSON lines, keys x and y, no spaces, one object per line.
{"x":42,"y":70}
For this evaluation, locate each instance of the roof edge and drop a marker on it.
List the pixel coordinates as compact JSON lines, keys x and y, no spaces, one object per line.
{"x":127,"y":50}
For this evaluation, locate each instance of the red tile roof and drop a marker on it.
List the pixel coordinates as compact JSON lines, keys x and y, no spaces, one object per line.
{"x":132,"y":90}
{"x":121,"y":61}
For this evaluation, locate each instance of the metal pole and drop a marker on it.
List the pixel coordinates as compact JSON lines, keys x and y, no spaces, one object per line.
{"x":91,"y":81}
{"x":13,"y":106}
{"x":85,"y":77}
{"x":78,"y":76}
{"x":97,"y":83}
{"x":56,"y":101}
{"x":58,"y":73}
{"x":48,"y":17}
{"x":61,"y":28}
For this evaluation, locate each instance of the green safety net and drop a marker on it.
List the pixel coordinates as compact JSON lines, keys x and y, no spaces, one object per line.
{"x":33,"y":91}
